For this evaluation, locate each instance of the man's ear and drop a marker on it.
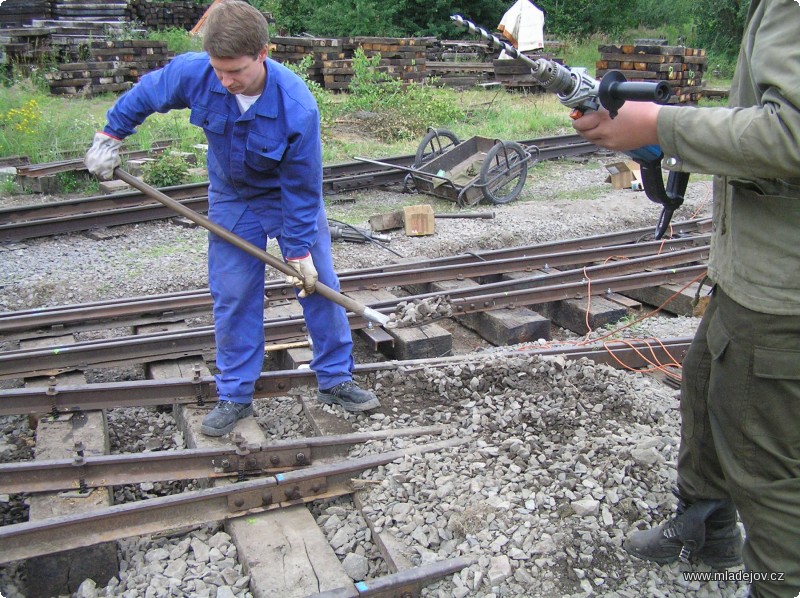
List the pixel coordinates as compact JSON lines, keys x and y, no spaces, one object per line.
{"x":264,"y":52}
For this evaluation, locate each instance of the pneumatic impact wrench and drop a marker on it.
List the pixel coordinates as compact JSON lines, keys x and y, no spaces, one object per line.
{"x":576,"y":89}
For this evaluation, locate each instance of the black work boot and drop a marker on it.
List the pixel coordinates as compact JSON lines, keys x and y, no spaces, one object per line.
{"x":221,"y":419}
{"x":350,"y":396}
{"x":704,"y":530}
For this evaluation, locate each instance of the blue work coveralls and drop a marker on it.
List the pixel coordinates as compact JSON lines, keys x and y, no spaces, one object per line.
{"x":265,"y":175}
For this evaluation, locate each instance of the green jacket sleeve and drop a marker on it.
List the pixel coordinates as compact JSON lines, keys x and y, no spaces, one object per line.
{"x":757,"y":138}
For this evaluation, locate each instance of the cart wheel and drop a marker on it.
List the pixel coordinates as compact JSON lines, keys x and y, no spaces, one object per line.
{"x":434,"y":144}
{"x":504,"y":172}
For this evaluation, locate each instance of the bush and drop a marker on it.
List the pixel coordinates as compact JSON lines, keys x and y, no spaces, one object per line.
{"x":167,"y":170}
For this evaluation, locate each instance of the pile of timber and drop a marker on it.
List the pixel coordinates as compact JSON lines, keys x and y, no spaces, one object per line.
{"x":25,"y":45}
{"x":89,"y":10}
{"x":182,"y":14}
{"x":402,"y":58}
{"x":293,"y":50}
{"x":681,"y":67}
{"x":460,"y":74}
{"x":18,"y":13}
{"x":515,"y":74}
{"x":112,"y":66}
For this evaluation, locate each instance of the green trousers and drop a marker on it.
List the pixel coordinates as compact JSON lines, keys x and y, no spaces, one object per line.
{"x":740,"y":433}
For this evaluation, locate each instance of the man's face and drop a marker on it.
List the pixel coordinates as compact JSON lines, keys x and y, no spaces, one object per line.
{"x":243,"y":74}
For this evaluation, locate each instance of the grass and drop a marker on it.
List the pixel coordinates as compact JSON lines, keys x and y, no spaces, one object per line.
{"x":584,"y":193}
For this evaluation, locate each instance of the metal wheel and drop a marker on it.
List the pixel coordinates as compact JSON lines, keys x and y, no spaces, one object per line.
{"x":504,"y":172}
{"x":434,"y":144}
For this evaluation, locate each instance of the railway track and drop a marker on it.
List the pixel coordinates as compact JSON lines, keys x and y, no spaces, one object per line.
{"x":545,"y":273}
{"x":18,"y":224}
{"x":271,"y":481}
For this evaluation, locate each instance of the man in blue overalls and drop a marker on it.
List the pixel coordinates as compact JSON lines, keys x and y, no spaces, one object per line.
{"x":265,"y":174}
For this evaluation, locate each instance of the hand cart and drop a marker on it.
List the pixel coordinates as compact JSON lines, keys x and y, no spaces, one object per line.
{"x":468,"y":171}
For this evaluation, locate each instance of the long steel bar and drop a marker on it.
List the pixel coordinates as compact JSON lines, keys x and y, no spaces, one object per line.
{"x":46,"y":536}
{"x":577,"y":290}
{"x":48,"y":168}
{"x":195,"y":301}
{"x":584,"y":275}
{"x":115,"y":470}
{"x":61,"y":398}
{"x":697,"y":226}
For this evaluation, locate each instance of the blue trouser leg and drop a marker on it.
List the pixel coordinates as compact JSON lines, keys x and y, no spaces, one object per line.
{"x":326,"y":321}
{"x":236,"y":281}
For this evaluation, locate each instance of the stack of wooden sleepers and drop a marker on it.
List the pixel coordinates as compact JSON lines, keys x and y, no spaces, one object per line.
{"x":111,"y":66}
{"x":513,"y":73}
{"x":17,"y":13}
{"x":332,"y":58}
{"x":292,"y":50}
{"x":681,"y":67}
{"x":403,"y":58}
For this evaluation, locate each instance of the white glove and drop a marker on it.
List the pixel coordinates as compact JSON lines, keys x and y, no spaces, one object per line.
{"x":103,"y":156}
{"x":306,"y":279}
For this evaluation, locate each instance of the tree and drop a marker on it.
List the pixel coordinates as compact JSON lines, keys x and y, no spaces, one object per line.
{"x":585,"y":17}
{"x":720,"y":24}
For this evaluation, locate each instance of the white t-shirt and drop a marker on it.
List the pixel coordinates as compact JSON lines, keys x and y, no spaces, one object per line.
{"x":245,"y":101}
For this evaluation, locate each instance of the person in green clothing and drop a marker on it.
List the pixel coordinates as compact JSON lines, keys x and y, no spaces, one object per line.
{"x":740,"y":397}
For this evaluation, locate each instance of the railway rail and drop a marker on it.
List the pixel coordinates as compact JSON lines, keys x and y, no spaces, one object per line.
{"x":58,"y":398}
{"x":139,"y":310}
{"x":601,"y":270}
{"x":18,"y":224}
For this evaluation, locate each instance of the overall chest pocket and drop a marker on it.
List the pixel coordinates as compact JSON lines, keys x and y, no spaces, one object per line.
{"x":209,"y":121}
{"x":263,"y":153}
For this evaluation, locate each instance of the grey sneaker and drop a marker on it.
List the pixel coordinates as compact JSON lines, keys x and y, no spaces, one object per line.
{"x":349,"y":396}
{"x":221,"y":419}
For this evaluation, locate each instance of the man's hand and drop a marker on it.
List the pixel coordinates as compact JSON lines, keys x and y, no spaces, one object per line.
{"x":306,"y":279}
{"x":103,"y":156}
{"x":634,"y":126}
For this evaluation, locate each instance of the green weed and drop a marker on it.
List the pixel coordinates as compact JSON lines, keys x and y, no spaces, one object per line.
{"x":178,"y":40}
{"x":166,"y":170}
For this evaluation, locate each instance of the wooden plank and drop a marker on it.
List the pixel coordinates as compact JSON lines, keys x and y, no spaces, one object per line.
{"x":63,"y":572}
{"x":294,"y":558}
{"x":573,"y":314}
{"x":501,"y":327}
{"x":419,"y":342}
{"x":680,"y":304}
{"x":388,"y":221}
